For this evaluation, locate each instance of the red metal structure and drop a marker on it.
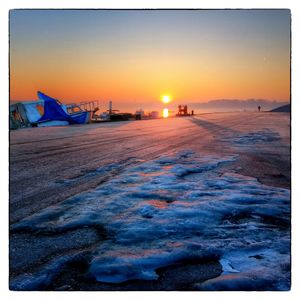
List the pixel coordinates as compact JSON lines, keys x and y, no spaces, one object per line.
{"x":182,"y":111}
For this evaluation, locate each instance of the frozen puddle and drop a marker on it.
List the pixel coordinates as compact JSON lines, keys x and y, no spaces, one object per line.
{"x":173,"y":209}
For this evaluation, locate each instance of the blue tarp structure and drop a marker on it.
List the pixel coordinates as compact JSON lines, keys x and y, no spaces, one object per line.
{"x":54,"y":112}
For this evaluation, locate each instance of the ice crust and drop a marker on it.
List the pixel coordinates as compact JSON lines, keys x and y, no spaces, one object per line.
{"x":262,"y":136}
{"x":176,"y":208}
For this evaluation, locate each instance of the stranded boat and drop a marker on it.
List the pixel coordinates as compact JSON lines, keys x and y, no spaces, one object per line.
{"x":48,"y":111}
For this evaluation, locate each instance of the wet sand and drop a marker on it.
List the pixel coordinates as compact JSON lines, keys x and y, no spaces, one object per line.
{"x":49,"y":165}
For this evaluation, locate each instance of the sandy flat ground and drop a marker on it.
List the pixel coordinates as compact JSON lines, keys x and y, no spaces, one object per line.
{"x":49,"y":165}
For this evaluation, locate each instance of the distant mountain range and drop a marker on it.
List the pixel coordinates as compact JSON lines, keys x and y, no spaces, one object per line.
{"x":223,"y":105}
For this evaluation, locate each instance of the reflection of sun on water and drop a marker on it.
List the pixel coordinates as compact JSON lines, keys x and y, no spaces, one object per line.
{"x":165,"y":112}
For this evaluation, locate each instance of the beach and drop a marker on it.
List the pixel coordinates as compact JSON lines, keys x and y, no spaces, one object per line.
{"x":186,"y":203}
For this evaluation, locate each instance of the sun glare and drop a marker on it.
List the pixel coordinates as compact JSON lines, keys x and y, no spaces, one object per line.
{"x":166,"y":99}
{"x":165,"y":112}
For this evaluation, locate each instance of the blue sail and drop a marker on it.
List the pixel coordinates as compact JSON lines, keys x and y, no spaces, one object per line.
{"x":54,"y":112}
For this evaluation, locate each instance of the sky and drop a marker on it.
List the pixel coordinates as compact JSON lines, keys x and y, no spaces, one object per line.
{"x":134,"y":57}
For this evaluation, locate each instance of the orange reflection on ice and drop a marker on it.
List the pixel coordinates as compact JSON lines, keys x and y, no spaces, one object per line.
{"x":165,"y":112}
{"x":158,"y":204}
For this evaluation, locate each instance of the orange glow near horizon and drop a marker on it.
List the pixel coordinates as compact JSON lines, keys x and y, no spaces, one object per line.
{"x":241,"y":80}
{"x":196,"y":55}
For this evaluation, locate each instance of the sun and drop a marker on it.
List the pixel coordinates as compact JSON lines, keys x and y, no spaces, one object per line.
{"x":166,"y":99}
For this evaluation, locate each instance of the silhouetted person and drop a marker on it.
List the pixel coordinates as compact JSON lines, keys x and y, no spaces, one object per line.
{"x":259,"y":107}
{"x":192,"y":112}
